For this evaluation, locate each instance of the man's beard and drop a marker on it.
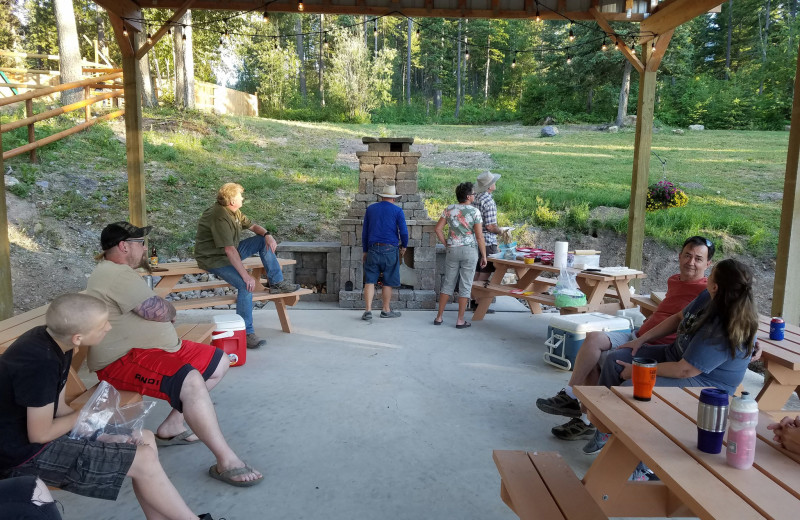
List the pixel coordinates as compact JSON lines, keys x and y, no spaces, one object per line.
{"x":144,"y":263}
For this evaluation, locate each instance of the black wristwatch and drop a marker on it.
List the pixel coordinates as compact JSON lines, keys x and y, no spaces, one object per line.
{"x":266,"y":232}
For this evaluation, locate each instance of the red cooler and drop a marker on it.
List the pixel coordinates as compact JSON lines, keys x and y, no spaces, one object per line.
{"x":229,"y":335}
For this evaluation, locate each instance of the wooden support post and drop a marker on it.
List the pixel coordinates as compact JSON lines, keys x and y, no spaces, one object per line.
{"x":31,"y":133}
{"x":641,"y":165}
{"x":87,"y":110}
{"x":6,"y":296}
{"x":786,"y":290}
{"x":134,"y":146}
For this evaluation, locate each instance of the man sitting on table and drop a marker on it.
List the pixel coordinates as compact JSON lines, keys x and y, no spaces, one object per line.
{"x":787,"y":432}
{"x":35,"y":421}
{"x":219,"y":250}
{"x":142,"y":353}
{"x":682,"y":288}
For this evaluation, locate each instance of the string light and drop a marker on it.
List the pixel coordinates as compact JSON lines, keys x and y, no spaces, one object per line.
{"x":325,"y":40}
{"x":514,"y":61}
{"x":300,"y":6}
{"x":604,"y":48}
{"x":571,"y":34}
{"x":569,"y":59}
{"x":169,"y":31}
{"x":266,"y":16}
{"x":375,"y":30}
{"x":417,"y":32}
{"x":466,"y":55}
{"x":149,"y":39}
{"x":616,"y":45}
{"x":220,"y":40}
{"x":538,"y":18}
{"x":653,"y":46}
{"x":125,"y":32}
{"x":183,"y":37}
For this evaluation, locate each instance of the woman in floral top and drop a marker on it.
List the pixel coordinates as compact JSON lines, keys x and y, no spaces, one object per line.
{"x":464,"y":246}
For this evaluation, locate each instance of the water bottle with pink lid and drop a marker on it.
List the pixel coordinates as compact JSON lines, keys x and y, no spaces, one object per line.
{"x":742,"y":431}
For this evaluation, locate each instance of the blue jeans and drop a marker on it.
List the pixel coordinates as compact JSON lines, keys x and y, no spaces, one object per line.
{"x":244,"y":298}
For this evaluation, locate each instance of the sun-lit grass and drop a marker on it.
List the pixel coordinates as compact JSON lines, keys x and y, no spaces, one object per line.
{"x":295,"y":186}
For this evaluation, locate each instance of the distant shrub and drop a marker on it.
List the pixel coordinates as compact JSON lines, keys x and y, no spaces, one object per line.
{"x":544,"y":215}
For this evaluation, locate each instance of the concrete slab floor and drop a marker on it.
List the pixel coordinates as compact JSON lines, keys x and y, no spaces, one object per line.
{"x":393,"y":418}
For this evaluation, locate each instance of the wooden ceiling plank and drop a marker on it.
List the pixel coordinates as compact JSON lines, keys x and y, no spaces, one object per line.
{"x":670,"y":16}
{"x":177,"y":15}
{"x":623,"y":48}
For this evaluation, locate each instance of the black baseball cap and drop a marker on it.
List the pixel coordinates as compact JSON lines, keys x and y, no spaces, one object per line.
{"x":118,"y":232}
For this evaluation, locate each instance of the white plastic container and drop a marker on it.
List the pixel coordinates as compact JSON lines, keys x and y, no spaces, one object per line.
{"x":565,"y":335}
{"x":229,"y":335}
{"x":634,"y":315}
{"x":586,"y":261}
{"x":741,"y":448}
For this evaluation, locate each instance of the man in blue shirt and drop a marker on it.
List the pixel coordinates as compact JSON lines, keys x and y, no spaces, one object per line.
{"x":384,"y":230}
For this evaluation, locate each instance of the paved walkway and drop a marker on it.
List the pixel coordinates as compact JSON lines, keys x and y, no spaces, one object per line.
{"x":348,"y":420}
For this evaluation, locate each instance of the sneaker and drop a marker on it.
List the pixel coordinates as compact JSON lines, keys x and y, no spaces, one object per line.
{"x":390,"y":314}
{"x":254,"y":341}
{"x":643,"y":474}
{"x":596,"y":443}
{"x":283,"y":287}
{"x":366,"y":316}
{"x":574,"y":430}
{"x":560,"y":404}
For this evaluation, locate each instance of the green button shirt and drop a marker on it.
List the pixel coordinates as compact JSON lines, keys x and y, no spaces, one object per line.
{"x":218,"y":228}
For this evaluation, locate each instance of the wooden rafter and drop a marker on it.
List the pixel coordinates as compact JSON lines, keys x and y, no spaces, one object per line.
{"x":662,"y":42}
{"x":127,"y":10}
{"x":125,"y":44}
{"x":669,"y":15}
{"x":623,"y":47}
{"x":177,"y":15}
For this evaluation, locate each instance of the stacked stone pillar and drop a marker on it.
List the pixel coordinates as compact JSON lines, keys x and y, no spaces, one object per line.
{"x":388,"y":162}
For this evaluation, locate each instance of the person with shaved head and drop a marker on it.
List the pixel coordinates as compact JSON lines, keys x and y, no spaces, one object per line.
{"x":35,"y":419}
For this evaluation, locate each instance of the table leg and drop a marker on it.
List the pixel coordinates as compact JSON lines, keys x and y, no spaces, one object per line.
{"x":595,"y":292}
{"x":283,"y":316}
{"x":166,"y":284}
{"x":624,"y":293}
{"x":782,"y":382}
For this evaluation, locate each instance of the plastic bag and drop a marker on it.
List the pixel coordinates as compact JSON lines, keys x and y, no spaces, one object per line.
{"x":567,"y":292}
{"x":508,"y":251}
{"x":102,"y":419}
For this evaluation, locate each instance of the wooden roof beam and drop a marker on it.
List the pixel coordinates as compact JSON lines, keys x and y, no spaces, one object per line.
{"x":662,"y":42}
{"x":127,"y":10}
{"x":669,"y":15}
{"x":177,"y":15}
{"x":623,"y":47}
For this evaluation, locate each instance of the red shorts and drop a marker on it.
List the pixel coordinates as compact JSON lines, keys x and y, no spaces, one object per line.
{"x":160,"y":374}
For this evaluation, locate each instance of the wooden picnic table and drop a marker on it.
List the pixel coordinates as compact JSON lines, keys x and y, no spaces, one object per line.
{"x":171,"y":281}
{"x":663,"y":434}
{"x":532,"y":282}
{"x":782,"y":361}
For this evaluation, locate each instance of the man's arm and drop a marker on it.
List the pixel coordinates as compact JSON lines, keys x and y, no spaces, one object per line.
{"x":43,"y":427}
{"x":678,"y":369}
{"x":258,"y":230}
{"x":156,"y":308}
{"x":665,"y":328}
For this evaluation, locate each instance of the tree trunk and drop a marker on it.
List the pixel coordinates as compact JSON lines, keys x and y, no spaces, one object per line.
{"x":486,"y":79}
{"x":376,"y":38}
{"x":184,"y":63}
{"x":622,"y":109}
{"x":408,"y":63}
{"x":458,"y":73}
{"x":143,"y":81}
{"x":102,"y":42}
{"x":764,"y":44}
{"x":301,"y":73}
{"x":321,"y":64}
{"x":68,"y":50}
{"x":589,"y":98}
{"x":728,"y":45}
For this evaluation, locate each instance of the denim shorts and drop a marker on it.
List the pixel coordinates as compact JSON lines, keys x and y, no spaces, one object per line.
{"x":89,"y":468}
{"x":16,"y":500}
{"x":383,"y":259}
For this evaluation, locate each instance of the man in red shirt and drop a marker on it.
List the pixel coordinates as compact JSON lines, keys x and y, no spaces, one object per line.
{"x":682,"y":288}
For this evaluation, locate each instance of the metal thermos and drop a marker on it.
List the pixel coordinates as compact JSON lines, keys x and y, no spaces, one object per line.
{"x":712,"y":419}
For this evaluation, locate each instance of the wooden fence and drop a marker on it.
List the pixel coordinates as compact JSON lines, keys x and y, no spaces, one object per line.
{"x":105,"y":82}
{"x":223,"y":100}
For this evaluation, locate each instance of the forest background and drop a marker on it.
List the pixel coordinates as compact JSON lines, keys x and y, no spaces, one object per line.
{"x":728,"y":70}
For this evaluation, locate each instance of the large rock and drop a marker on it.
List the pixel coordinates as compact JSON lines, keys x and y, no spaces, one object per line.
{"x":10,"y":181}
{"x":697,"y":128}
{"x":613,"y":129}
{"x":549,"y":131}
{"x":677,"y":131}
{"x":629,"y":121}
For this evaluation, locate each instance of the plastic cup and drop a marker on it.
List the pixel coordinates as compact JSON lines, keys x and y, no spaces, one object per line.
{"x":644,"y":378}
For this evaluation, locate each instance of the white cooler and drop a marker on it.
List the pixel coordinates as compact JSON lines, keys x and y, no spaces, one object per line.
{"x":565,"y":335}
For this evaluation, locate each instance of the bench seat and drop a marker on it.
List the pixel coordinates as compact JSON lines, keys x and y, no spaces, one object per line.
{"x":289,"y":299}
{"x":542,"y":486}
{"x":492,"y":290}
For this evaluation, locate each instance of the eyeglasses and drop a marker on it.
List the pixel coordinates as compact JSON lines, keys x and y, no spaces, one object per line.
{"x":139,"y":240}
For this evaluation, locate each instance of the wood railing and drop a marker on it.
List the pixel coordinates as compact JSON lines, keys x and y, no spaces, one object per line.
{"x":30,"y":119}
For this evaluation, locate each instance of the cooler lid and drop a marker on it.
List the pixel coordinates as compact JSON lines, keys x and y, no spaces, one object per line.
{"x":228,"y":322}
{"x":589,"y":322}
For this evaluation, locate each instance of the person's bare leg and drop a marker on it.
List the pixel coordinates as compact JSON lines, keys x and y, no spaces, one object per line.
{"x":156,"y":495}
{"x":202,"y":418}
{"x":443,"y":299}
{"x":588,"y":357}
{"x":386,"y":298}
{"x":369,"y":293}
{"x":462,"y":307}
{"x":174,"y":423}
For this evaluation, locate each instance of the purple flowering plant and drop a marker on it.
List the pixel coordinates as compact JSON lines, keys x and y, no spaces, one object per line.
{"x":665,"y":194}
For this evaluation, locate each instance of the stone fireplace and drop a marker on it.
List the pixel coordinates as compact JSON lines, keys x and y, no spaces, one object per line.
{"x":388,"y":161}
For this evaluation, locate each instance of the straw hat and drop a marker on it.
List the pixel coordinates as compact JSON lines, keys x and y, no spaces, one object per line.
{"x":389,"y":192}
{"x":485,"y":181}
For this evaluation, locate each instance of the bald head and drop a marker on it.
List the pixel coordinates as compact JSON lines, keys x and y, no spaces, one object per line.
{"x":74,"y":313}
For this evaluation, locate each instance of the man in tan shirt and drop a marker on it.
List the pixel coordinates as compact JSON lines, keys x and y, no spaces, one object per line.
{"x":142,"y":353}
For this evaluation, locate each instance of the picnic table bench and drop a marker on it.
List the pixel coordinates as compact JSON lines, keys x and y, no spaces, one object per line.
{"x":782,"y":362}
{"x":171,"y":281}
{"x":76,"y":394}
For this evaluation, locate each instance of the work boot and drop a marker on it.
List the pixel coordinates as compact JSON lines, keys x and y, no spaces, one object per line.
{"x":283,"y":287}
{"x":574,"y":430}
{"x":254,"y":341}
{"x":560,"y":404}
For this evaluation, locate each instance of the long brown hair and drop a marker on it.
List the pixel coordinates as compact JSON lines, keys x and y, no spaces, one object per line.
{"x":733,"y":305}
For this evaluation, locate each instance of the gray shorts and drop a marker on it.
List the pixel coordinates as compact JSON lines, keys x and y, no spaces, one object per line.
{"x":617,"y":338}
{"x":89,"y":468}
{"x":459,"y":263}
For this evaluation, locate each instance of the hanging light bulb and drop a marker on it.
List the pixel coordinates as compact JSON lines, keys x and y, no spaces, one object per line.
{"x":514,"y":61}
{"x":375,"y":30}
{"x":571,"y":34}
{"x":604,"y":48}
{"x":149,"y":39}
{"x":569,"y":59}
{"x":633,"y":50}
{"x":466,"y":54}
{"x":538,"y":18}
{"x":125,"y":31}
{"x":417,"y":32}
{"x":616,"y":45}
{"x":266,"y":16}
{"x":227,"y":36}
{"x":169,"y":31}
{"x":183,"y":37}
{"x":653,"y":46}
{"x":325,"y":40}
{"x":300,"y":5}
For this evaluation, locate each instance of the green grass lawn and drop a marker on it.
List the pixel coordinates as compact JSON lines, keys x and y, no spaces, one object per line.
{"x":294,"y":184}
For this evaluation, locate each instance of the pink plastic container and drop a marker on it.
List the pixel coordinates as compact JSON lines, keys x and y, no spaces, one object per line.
{"x":742,"y":424}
